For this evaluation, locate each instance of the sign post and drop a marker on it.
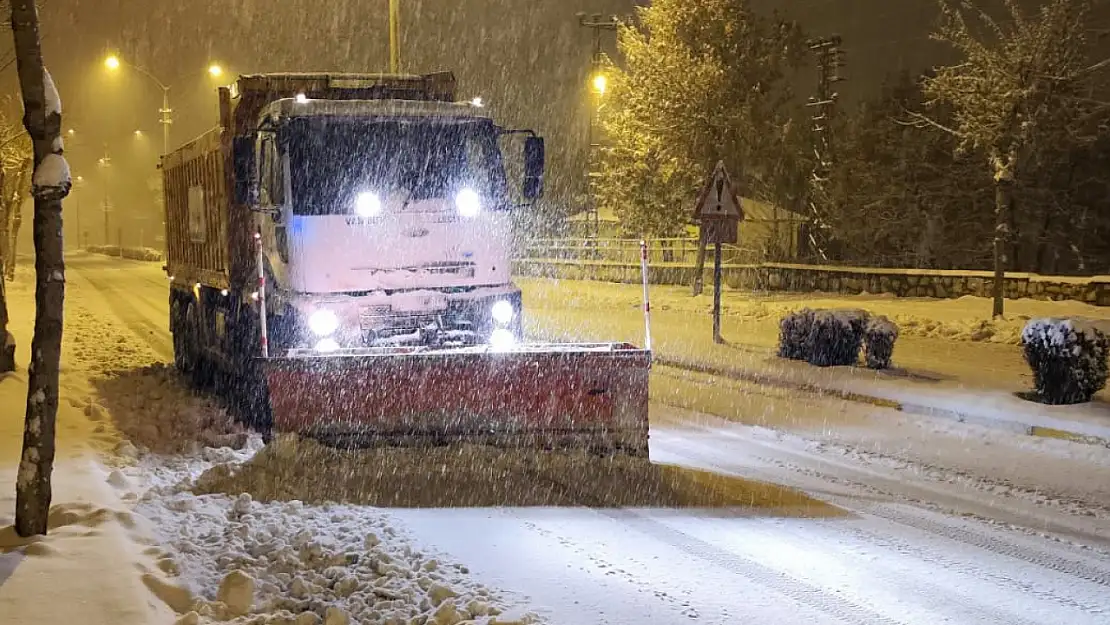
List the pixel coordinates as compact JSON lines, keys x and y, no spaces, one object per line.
{"x":719,"y":215}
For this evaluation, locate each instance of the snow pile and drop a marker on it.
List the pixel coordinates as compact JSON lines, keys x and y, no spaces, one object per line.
{"x":472,"y":476}
{"x":133,"y":253}
{"x":156,"y":412}
{"x":291,"y":564}
{"x":95,"y":344}
{"x":1068,"y":358}
{"x":1005,"y":330}
{"x":880,"y":334}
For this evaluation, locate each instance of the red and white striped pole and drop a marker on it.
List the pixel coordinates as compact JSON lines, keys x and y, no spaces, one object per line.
{"x":647,"y":301}
{"x":262,"y":295}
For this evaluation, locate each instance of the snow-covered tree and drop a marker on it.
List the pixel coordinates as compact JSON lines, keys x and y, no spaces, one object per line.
{"x":901,"y":196}
{"x":50,"y":183}
{"x":1006,"y":93}
{"x":703,"y":80}
{"x":15,"y":165}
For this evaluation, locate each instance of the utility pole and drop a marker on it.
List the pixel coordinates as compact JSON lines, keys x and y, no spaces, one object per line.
{"x":830,"y":58}
{"x":394,"y":36}
{"x":599,"y":25}
{"x":105,"y":162}
{"x":166,"y":112}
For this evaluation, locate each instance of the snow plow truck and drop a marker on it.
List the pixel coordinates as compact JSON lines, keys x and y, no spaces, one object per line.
{"x":338,"y":251}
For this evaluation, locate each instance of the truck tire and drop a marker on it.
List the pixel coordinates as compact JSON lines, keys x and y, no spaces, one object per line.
{"x":201,"y":372}
{"x":250,"y":399}
{"x":183,"y":356}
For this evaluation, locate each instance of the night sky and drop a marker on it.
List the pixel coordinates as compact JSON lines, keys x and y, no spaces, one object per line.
{"x":528,"y":59}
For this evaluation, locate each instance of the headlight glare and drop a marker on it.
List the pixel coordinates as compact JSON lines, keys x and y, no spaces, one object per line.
{"x":502,"y":340}
{"x":368,"y":204}
{"x":327,"y":345}
{"x":468,"y":202}
{"x":502,"y":312}
{"x":323,"y":322}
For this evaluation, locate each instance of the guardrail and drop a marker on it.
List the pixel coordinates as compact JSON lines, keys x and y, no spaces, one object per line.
{"x":683,"y":251}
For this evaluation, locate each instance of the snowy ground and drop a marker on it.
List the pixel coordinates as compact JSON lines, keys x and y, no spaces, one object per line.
{"x":963,"y":319}
{"x":880,"y":517}
{"x":974,"y":381}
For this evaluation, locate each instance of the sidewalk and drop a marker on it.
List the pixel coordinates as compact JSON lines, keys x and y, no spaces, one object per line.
{"x":974,"y":382}
{"x":89,"y":569}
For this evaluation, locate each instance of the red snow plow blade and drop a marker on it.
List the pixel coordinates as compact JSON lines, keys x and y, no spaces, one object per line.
{"x":592,"y":396}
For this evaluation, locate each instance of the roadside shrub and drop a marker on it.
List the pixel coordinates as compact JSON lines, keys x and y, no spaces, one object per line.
{"x":1068,"y":359}
{"x":794,"y":333}
{"x":835,"y":337}
{"x":880,"y":334}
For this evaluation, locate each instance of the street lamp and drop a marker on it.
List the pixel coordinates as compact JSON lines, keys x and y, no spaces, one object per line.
{"x":114,"y":62}
{"x":601,"y":83}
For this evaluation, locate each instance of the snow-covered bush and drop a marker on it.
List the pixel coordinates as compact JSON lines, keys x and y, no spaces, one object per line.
{"x":794,"y":333}
{"x":1068,"y":358}
{"x":880,"y":334}
{"x":835,"y":338}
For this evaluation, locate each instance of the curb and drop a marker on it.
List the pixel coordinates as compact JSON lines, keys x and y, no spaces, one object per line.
{"x":872,"y":400}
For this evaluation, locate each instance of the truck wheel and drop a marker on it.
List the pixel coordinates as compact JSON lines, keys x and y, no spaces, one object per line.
{"x":200,"y":373}
{"x":183,"y":358}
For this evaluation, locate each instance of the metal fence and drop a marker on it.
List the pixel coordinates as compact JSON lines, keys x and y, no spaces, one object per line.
{"x":679,"y":251}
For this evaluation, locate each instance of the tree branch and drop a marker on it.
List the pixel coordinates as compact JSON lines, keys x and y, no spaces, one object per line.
{"x":920,"y":121}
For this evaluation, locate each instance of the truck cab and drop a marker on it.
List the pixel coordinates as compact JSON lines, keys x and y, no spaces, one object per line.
{"x":386,"y":223}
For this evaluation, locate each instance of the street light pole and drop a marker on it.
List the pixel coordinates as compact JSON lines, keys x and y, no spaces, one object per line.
{"x":394,"y":36}
{"x":598,"y":82}
{"x":105,"y":163}
{"x":166,"y":119}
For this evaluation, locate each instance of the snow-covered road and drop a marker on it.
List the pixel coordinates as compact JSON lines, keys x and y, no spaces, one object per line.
{"x":942,"y":522}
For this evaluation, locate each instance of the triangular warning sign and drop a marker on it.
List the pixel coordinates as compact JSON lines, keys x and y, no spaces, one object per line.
{"x":719,"y":199}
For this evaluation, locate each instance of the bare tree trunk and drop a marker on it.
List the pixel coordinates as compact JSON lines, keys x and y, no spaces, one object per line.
{"x":5,"y":220}
{"x":1003,"y":195}
{"x":15,"y":210}
{"x":50,"y":183}
{"x":7,"y":354}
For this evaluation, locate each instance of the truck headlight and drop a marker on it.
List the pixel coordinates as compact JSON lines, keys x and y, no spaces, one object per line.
{"x":325,"y":346}
{"x":323,"y":322}
{"x":502,"y":312}
{"x":502,"y":340}
{"x":468,"y":203}
{"x":368,"y":204}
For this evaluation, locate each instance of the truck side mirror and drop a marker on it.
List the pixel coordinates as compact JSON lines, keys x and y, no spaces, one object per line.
{"x":533,"y":167}
{"x":242,"y":157}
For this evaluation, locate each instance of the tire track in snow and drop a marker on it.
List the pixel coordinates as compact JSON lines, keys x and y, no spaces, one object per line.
{"x":157,"y":337}
{"x":1030,"y":555}
{"x":683,"y":607}
{"x":790,"y":587}
{"x":828,"y":470}
{"x":782,"y":583}
{"x":992,"y":544}
{"x":968,"y":569}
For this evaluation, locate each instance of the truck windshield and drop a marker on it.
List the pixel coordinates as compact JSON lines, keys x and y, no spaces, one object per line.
{"x":332,"y":161}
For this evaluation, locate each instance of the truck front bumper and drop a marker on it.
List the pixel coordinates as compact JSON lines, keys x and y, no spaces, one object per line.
{"x":425,"y":317}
